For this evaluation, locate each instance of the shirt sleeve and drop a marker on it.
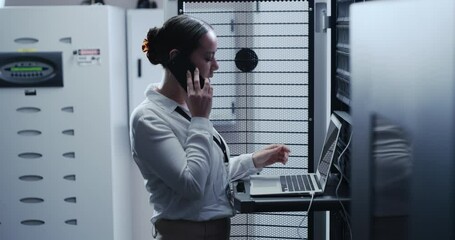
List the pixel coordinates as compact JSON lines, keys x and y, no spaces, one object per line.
{"x":242,"y":166}
{"x":159,"y":152}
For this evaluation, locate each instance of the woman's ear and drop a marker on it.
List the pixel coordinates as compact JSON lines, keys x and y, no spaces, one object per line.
{"x":173,"y":53}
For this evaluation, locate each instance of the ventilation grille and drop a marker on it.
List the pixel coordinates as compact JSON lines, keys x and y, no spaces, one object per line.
{"x":38,"y":174}
{"x":262,"y":91}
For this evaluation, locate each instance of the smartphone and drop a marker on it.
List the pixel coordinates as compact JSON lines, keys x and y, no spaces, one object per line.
{"x":178,"y":66}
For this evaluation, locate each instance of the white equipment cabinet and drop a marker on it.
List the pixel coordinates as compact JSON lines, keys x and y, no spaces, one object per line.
{"x":141,"y":72}
{"x":64,"y":151}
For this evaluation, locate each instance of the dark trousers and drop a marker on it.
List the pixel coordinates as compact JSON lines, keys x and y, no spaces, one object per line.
{"x":218,"y":229}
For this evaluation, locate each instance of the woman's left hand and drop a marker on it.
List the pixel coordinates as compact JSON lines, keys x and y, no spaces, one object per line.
{"x":271,"y":154}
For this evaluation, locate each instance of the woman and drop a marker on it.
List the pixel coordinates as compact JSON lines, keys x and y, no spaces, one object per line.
{"x":181,"y":156}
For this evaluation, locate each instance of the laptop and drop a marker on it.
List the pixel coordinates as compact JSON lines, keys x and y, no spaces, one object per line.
{"x":305,"y":183}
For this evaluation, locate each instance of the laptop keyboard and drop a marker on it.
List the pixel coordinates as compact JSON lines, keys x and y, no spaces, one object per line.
{"x":292,"y":183}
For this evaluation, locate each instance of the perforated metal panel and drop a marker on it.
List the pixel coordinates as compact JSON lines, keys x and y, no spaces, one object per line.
{"x":263,"y":91}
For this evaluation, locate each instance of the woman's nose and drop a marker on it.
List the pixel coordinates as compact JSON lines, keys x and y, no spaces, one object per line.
{"x":215,"y":65}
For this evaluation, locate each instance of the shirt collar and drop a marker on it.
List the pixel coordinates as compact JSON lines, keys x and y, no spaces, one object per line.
{"x":162,"y":101}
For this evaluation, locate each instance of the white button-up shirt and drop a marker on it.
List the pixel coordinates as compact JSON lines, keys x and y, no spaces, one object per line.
{"x":182,"y":165}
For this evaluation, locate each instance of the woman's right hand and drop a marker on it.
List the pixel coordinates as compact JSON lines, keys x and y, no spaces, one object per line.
{"x":199,"y":100}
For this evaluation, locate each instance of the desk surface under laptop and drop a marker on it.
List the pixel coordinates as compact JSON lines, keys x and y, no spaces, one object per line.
{"x":328,"y":201}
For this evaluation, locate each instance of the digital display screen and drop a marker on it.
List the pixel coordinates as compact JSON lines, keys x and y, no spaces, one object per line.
{"x":31,"y":69}
{"x":27,"y":69}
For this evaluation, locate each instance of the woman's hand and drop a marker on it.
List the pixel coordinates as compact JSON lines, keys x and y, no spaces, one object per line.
{"x":271,"y":154}
{"x":199,"y":100}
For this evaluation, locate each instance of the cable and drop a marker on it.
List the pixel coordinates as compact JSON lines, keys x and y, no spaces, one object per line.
{"x":303,"y":219}
{"x":338,"y":166}
{"x":341,"y":170}
{"x":345,"y":214}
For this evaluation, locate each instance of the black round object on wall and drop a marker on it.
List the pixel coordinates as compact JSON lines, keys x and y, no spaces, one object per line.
{"x":246,"y":60}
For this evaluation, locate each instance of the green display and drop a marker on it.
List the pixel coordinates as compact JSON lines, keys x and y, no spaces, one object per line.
{"x":26,"y":69}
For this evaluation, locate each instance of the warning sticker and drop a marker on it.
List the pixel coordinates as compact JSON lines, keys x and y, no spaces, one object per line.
{"x":88,"y":52}
{"x":86,"y":57}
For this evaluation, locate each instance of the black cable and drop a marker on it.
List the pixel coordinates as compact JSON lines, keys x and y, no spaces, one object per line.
{"x":345,"y":215}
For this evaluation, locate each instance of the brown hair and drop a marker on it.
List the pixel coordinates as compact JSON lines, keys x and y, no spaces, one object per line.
{"x":180,"y":32}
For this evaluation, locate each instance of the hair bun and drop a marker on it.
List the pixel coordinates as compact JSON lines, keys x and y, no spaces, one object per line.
{"x":151,"y":46}
{"x":145,"y":45}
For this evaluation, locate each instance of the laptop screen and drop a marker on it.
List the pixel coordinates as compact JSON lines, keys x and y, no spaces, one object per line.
{"x":328,"y":150}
